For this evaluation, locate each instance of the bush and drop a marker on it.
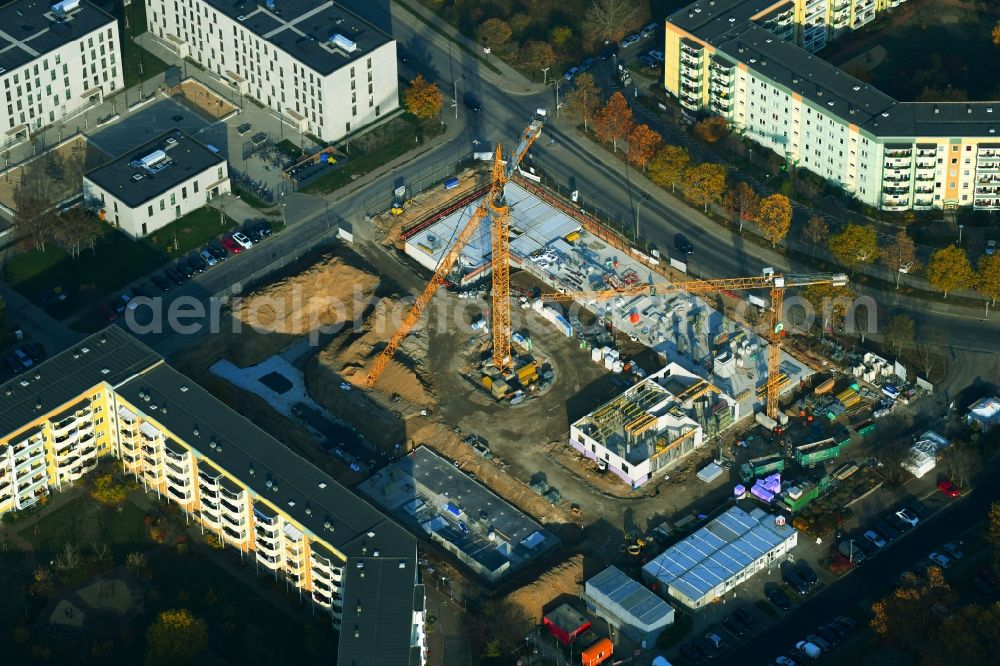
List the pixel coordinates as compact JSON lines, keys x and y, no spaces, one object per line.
{"x":107,"y":491}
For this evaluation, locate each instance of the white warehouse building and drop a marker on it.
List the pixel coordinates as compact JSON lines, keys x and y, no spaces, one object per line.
{"x":628,"y":606}
{"x":158,"y":182}
{"x":323,"y":69}
{"x":724,"y":553}
{"x":55,"y":59}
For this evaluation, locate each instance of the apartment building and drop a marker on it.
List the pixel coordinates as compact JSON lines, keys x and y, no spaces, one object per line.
{"x":55,"y":59}
{"x":156,"y":183}
{"x":323,"y":69}
{"x":726,"y":57}
{"x":113,"y":396}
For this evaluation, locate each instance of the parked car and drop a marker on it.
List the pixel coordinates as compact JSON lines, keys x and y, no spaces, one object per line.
{"x":888,"y":532}
{"x":656,"y":55}
{"x":941,"y":560}
{"x":162,"y":283}
{"x":715,"y":639}
{"x":587,"y":64}
{"x":954,"y":550}
{"x":185,"y":268}
{"x":609,"y":50}
{"x":948,"y":488}
{"x":918,"y":509}
{"x":898,"y":523}
{"x":34,"y":350}
{"x":991,"y":247}
{"x":208,"y":257}
{"x":809,"y":649}
{"x":829,"y":635}
{"x":251,"y":232}
{"x":649,"y":29}
{"x":708,"y":646}
{"x":785,"y":661}
{"x":682,"y":245}
{"x":793,"y":581}
{"x":866,"y":546}
{"x":692,"y":653}
{"x":231,"y":245}
{"x":219,"y":252}
{"x":779,"y":598}
{"x":629,"y":41}
{"x":197,"y":264}
{"x":908,"y":517}
{"x":174,"y":276}
{"x":849,"y":623}
{"x":819,"y":641}
{"x":746,"y":617}
{"x":806,"y":573}
{"x":849,"y":548}
{"x":263,"y":227}
{"x":875,"y":539}
{"x":571,"y":73}
{"x":649,"y":61}
{"x":242,"y":240}
{"x":734,"y":626}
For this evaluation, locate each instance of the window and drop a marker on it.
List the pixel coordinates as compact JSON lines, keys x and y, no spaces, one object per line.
{"x":196,"y":187}
{"x":184,"y":192}
{"x":218,"y":173}
{"x":149,"y":210}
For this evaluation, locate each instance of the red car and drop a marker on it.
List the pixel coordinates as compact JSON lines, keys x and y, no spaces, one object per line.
{"x":231,"y":245}
{"x":949,"y":489}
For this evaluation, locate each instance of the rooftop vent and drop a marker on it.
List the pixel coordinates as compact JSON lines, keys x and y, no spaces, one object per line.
{"x":38,"y":376}
{"x":857,"y":88}
{"x":65,"y":7}
{"x":184,"y":389}
{"x":291,"y":502}
{"x":937,"y":109}
{"x":309,"y":510}
{"x":196,"y":432}
{"x":375,"y":553}
{"x":344,"y":43}
{"x":371,"y":534}
{"x":269,"y":4}
{"x":38,"y":406}
{"x":322,"y":484}
{"x":267,"y":483}
{"x":402,"y":564}
{"x":84,"y":350}
{"x":105,"y":371}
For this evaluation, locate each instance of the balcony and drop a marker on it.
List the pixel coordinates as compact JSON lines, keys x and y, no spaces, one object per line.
{"x":896,"y":179}
{"x":179,"y":495}
{"x":30,"y":485}
{"x":986,"y":204}
{"x":272,"y":562}
{"x":235,"y":535}
{"x":234,"y":521}
{"x":923,"y":203}
{"x":987,"y":167}
{"x":896,"y":191}
{"x":987,"y":189}
{"x":690,"y":50}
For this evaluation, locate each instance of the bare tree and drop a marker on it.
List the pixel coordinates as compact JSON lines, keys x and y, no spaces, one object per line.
{"x":68,"y":559}
{"x":76,"y":229}
{"x":901,"y":256}
{"x":932,"y":345}
{"x":610,"y":20}
{"x":34,"y":214}
{"x":961,"y":461}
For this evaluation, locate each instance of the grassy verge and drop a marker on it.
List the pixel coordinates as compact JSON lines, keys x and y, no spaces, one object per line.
{"x":135,"y":57}
{"x":191,"y":231}
{"x":115,"y":261}
{"x":398,"y":137}
{"x":249,"y":197}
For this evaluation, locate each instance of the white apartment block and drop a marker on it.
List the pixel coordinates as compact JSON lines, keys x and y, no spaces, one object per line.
{"x":112,"y":397}
{"x":155,"y":184}
{"x":323,"y":69}
{"x":54,"y":61}
{"x":726,"y":57}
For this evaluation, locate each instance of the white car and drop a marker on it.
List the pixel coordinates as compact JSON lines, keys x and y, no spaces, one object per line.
{"x":810,"y":650}
{"x":991,"y":247}
{"x":628,"y":41}
{"x":940,"y":560}
{"x":242,"y":240}
{"x":875,"y":539}
{"x":907,"y":516}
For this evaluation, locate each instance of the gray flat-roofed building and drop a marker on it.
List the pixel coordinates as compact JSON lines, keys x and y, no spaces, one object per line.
{"x":154,"y":184}
{"x":721,"y":555}
{"x":627,"y":605}
{"x":32,"y":28}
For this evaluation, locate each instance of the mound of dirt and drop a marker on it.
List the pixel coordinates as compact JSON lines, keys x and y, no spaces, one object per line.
{"x":326,"y":294}
{"x":564,"y":578}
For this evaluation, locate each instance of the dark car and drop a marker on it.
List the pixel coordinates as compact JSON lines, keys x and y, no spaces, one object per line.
{"x":142,"y":289}
{"x":609,"y":50}
{"x":746,"y":617}
{"x":920,"y":509}
{"x":848,"y":623}
{"x":162,"y":283}
{"x":734,"y":626}
{"x":174,"y":276}
{"x":198,"y":264}
{"x":779,"y":598}
{"x":35,"y":351}
{"x":250,"y":231}
{"x":219,"y":252}
{"x":263,"y":228}
{"x":682,"y":245}
{"x":898,"y":523}
{"x":793,"y":581}
{"x":830,"y":636}
{"x":185,"y":269}
{"x":806,"y":573}
{"x":866,"y":546}
{"x":472,"y":103}
{"x":708,"y":646}
{"x":693,"y":653}
{"x":885,"y":529}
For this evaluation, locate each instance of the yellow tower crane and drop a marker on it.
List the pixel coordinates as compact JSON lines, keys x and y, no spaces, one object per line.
{"x":775,"y":282}
{"x":495,"y":206}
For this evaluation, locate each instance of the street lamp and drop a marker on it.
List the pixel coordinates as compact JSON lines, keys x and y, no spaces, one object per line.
{"x":455,"y":97}
{"x":645,"y":197}
{"x":960,"y":227}
{"x":545,"y":76}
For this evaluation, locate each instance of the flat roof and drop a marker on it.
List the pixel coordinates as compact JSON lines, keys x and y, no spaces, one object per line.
{"x":66,"y":375}
{"x":727,"y":25}
{"x":567,"y":618}
{"x":718,"y":551}
{"x":155,"y":167}
{"x":627,"y":597}
{"x":304,"y":29}
{"x":30,"y":29}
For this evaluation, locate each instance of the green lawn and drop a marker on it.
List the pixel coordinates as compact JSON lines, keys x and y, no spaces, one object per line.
{"x":132,"y":54}
{"x":83,"y":522}
{"x":191,"y":231}
{"x":116,"y":261}
{"x":249,"y":197}
{"x":383,"y":144}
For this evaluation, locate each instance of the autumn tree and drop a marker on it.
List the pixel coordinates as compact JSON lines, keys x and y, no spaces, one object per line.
{"x":993,"y":527}
{"x":494,"y":32}
{"x":775,"y":217}
{"x":946,"y":94}
{"x":831,"y":302}
{"x":711,"y":129}
{"x":988,"y":278}
{"x":996,"y":34}
{"x":949,"y":270}
{"x":899,"y":333}
{"x":585,"y":98}
{"x":668,"y":166}
{"x":537,"y":55}
{"x":855,"y":245}
{"x":176,"y":637}
{"x":610,"y":20}
{"x":900,"y":256}
{"x":817,"y":232}
{"x":107,"y":492}
{"x":742,"y":202}
{"x":423,"y":98}
{"x":614,"y":121}
{"x":560,"y":36}
{"x":498,"y":628}
{"x":642,"y":145}
{"x":704,"y":184}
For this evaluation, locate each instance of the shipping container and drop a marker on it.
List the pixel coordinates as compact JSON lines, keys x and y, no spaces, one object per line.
{"x":597,"y":653}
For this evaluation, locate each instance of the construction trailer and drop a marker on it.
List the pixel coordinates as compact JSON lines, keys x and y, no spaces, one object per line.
{"x":598,"y":653}
{"x":761,"y":466}
{"x":809,"y":455}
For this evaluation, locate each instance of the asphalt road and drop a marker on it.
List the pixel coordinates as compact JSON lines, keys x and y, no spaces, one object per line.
{"x":870,"y":579}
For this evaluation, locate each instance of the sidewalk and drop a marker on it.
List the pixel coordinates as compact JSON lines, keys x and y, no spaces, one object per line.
{"x":509,"y":80}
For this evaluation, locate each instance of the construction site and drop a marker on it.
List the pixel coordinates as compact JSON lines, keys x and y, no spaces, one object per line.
{"x":516,"y":383}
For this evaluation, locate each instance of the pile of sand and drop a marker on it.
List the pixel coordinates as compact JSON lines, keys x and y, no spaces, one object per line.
{"x":326,"y":294}
{"x":564,"y":578}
